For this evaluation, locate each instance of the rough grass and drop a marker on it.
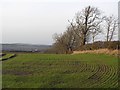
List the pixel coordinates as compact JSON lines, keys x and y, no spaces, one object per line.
{"x":60,"y":71}
{"x":99,"y":51}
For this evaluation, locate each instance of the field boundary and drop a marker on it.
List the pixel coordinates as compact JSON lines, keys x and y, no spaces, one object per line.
{"x":99,"y":51}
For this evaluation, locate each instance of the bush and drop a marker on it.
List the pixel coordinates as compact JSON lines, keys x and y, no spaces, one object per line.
{"x":101,"y":45}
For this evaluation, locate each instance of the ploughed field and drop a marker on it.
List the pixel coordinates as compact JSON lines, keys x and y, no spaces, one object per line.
{"x":34,"y":70}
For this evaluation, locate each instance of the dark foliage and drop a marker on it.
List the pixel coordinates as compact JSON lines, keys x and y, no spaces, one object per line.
{"x":101,"y":45}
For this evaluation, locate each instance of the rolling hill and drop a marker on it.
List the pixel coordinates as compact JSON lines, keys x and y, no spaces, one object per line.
{"x":24,"y":47}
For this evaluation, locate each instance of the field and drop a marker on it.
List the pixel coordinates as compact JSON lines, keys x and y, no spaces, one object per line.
{"x":34,"y":70}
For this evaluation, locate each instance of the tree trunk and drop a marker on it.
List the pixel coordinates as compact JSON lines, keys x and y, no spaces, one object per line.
{"x":108,"y":31}
{"x":93,"y":39}
{"x":84,"y":40}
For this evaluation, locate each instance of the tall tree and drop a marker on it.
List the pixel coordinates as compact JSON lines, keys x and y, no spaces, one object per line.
{"x":111,"y":26}
{"x":86,"y":20}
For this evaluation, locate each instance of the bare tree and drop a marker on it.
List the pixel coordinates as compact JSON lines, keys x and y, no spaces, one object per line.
{"x":111,"y":26}
{"x":94,"y":32}
{"x":66,"y":42}
{"x":59,"y":43}
{"x":87,"y":23}
{"x":88,"y":19}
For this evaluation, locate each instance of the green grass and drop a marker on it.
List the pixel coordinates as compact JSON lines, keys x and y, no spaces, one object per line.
{"x":6,"y":56}
{"x":60,"y":71}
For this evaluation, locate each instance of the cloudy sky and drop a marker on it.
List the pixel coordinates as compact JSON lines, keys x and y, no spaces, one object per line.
{"x":35,"y":21}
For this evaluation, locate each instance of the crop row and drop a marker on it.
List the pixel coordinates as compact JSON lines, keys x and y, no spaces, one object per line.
{"x":101,"y":75}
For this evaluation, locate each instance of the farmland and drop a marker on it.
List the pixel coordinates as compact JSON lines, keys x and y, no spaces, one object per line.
{"x":34,"y":70}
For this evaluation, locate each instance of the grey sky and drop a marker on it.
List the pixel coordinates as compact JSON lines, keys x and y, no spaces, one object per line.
{"x":35,"y":21}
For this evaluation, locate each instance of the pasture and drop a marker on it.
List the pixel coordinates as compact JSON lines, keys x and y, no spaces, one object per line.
{"x":34,"y":70}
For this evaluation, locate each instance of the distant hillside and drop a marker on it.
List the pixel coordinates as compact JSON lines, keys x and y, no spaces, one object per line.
{"x":24,"y":47}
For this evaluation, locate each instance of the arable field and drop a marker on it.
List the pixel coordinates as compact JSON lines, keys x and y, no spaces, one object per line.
{"x":34,"y":70}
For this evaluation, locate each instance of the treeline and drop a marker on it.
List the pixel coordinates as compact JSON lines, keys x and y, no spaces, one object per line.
{"x":112,"y":45}
{"x":83,"y":29}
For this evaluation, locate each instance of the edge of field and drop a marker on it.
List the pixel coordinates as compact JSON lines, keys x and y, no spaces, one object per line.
{"x":99,"y":51}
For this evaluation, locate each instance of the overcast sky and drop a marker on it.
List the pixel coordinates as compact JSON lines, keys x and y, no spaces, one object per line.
{"x":35,"y":21}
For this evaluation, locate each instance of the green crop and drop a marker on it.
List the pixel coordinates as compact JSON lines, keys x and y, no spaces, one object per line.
{"x":34,"y":70}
